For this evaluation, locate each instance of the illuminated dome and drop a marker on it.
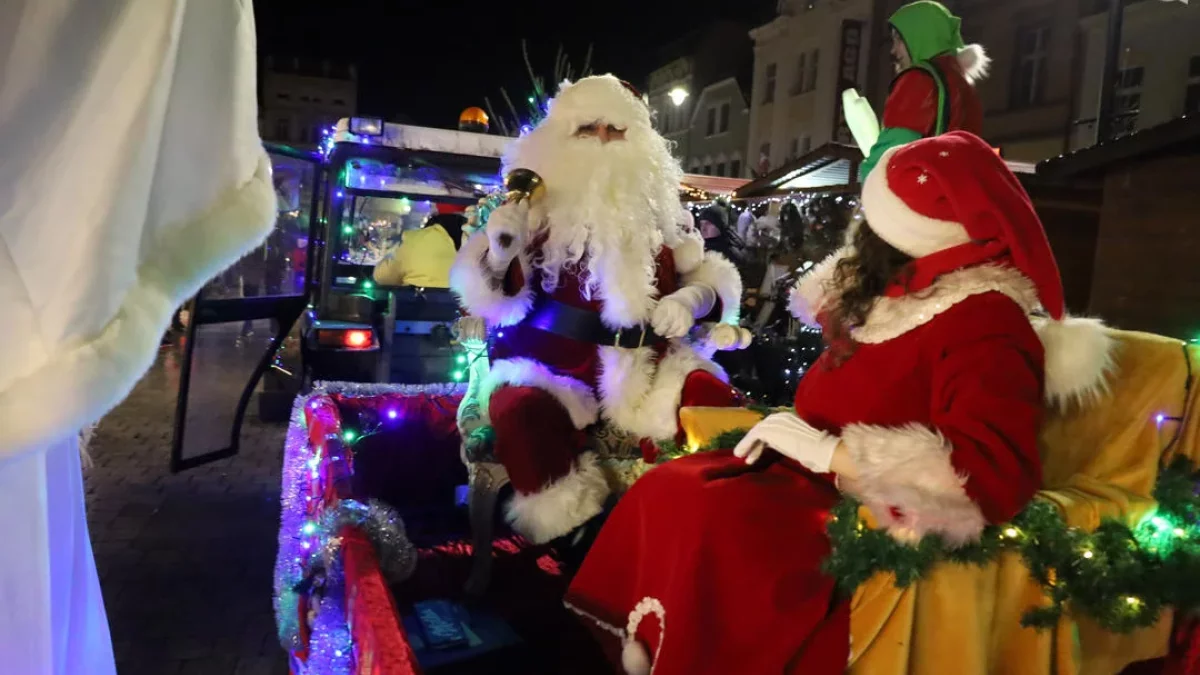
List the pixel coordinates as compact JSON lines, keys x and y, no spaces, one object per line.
{"x":473,"y":119}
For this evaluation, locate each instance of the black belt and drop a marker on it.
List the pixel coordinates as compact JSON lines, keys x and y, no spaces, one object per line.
{"x":586,"y":326}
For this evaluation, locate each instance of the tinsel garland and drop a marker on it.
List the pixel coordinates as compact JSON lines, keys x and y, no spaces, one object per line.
{"x":383,"y":527}
{"x":1121,"y":577}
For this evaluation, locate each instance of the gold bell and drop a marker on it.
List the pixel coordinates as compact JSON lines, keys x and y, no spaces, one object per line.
{"x":522,"y":185}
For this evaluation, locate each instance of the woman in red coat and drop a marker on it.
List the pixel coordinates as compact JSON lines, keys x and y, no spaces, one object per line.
{"x":926,"y":408}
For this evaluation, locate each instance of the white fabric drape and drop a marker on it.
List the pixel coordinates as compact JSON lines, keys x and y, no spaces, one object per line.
{"x":130,"y":173}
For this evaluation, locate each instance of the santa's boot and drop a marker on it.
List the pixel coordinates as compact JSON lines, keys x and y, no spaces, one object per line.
{"x":557,"y":489}
{"x":574,"y":546}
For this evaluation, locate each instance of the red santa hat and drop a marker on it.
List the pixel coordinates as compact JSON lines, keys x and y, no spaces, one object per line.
{"x":953,"y":195}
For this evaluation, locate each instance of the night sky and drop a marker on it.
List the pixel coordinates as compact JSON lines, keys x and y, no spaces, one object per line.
{"x":427,"y":61}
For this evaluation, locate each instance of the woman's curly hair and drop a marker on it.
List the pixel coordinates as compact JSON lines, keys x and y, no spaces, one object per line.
{"x":860,"y":279}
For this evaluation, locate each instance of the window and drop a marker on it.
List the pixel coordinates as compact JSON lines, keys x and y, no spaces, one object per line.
{"x":1029,"y":73}
{"x":764,"y":159}
{"x":735,"y":168}
{"x":712,"y":121}
{"x":1191,"y":104}
{"x":723,"y":125}
{"x":283,"y":129}
{"x":303,"y":134}
{"x":338,"y":101}
{"x":304,"y":99}
{"x":812,"y":69}
{"x":801,"y":70}
{"x":721,"y":169}
{"x":805,"y":145}
{"x":769,"y":89}
{"x":1127,"y":100}
{"x":707,"y":170}
{"x":283,"y":96}
{"x":795,"y":151}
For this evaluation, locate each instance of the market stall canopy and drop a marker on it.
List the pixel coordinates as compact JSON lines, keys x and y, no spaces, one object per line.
{"x":832,"y":165}
{"x":697,"y":187}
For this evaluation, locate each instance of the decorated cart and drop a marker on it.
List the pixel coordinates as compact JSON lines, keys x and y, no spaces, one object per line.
{"x":1088,"y":579}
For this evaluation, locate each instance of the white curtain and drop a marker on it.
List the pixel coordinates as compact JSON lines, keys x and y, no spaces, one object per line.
{"x":130,"y":173}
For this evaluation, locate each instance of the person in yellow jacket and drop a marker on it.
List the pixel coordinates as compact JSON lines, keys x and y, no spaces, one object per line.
{"x":423,"y":257}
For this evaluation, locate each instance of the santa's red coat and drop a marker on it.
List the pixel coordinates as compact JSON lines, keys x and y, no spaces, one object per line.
{"x":713,"y":565}
{"x":542,"y":389}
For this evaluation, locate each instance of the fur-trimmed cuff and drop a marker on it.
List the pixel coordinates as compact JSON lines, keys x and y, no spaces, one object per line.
{"x":810,"y":294}
{"x":688,"y":254}
{"x":577,"y":397}
{"x":723,"y":277}
{"x":908,"y":469}
{"x":561,"y":506}
{"x":469,"y":279}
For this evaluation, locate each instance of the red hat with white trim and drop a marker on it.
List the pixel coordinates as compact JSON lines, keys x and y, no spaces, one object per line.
{"x":953,"y":190}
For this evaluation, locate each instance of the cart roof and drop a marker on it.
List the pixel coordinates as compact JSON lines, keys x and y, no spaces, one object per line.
{"x":407,"y":137}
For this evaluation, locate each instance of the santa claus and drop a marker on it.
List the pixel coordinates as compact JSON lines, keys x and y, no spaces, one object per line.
{"x":592,"y":290}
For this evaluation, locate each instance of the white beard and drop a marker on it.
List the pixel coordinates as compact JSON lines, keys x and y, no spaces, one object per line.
{"x":611,"y":206}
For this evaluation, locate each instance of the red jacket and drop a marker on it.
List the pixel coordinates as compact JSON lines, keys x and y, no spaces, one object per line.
{"x":913,"y":101}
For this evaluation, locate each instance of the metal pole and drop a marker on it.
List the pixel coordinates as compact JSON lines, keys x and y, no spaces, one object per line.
{"x":1108,"y":85}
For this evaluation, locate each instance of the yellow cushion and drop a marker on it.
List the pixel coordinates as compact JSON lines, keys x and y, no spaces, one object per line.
{"x":701,"y":425}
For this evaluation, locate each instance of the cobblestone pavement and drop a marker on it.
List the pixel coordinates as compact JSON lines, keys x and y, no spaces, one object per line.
{"x":186,"y":560}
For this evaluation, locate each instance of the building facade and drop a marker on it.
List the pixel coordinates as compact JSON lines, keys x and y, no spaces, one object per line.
{"x":700,"y":99}
{"x":1158,"y":73}
{"x":803,"y":60}
{"x":300,"y":99}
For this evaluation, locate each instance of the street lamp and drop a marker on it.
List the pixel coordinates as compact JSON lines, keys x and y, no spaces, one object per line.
{"x":678,"y":95}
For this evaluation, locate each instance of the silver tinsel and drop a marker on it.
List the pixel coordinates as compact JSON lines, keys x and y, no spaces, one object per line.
{"x":382,"y":525}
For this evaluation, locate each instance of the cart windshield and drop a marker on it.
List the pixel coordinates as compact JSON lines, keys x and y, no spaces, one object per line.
{"x":381,"y":199}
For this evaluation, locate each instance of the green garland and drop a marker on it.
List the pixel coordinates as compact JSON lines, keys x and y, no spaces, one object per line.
{"x":1121,"y":577}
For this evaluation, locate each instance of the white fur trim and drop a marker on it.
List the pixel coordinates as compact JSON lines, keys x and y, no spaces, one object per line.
{"x":975,"y":62}
{"x":723,"y":277}
{"x":634,"y":657}
{"x":1079,"y":360}
{"x":577,"y":397}
{"x":599,"y":98}
{"x":643,"y":399}
{"x":899,"y":225}
{"x":561,"y":506}
{"x":1078,"y":351}
{"x":688,"y":253}
{"x":100,"y":371}
{"x":810,"y":294}
{"x":893,"y":317}
{"x":909,"y":468}
{"x":469,"y":280}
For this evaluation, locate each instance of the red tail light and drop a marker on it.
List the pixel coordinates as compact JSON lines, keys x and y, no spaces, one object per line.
{"x":346,"y":339}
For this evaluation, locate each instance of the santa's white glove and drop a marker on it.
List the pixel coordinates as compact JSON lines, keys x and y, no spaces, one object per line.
{"x":792,"y":437}
{"x":506,"y":228}
{"x":677,"y":313}
{"x":672,"y":318}
{"x":727,"y":337}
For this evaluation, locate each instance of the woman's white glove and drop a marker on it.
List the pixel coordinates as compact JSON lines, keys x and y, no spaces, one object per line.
{"x":792,"y":437}
{"x":727,"y":337}
{"x":506,"y":227}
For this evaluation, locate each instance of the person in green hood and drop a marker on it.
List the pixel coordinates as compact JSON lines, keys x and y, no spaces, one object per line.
{"x":934,"y":89}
